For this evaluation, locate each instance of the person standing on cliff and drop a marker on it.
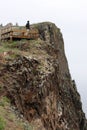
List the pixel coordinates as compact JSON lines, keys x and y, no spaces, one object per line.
{"x":28,"y":25}
{"x":27,"y":28}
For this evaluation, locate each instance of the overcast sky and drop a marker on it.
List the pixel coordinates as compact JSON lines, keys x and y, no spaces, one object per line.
{"x":70,"y":16}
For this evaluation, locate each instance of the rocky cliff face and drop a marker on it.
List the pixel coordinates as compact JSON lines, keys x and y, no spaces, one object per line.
{"x":40,"y":86}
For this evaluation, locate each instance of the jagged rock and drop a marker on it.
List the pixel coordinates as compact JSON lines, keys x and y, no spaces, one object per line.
{"x":41,"y":88}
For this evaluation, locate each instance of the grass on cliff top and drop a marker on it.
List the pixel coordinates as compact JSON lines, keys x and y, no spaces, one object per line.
{"x":8,"y":119}
{"x":6,"y":52}
{"x":30,"y":48}
{"x":34,"y":48}
{"x":17,"y":46}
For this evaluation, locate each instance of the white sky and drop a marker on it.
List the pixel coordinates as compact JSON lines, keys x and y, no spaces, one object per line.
{"x":70,"y":16}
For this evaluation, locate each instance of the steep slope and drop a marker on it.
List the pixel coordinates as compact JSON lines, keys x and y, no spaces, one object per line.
{"x":38,"y":82}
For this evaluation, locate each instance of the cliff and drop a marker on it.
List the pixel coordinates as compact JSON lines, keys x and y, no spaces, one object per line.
{"x":38,"y":82}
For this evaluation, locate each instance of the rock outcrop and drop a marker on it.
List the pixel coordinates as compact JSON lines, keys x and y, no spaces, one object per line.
{"x":40,"y":85}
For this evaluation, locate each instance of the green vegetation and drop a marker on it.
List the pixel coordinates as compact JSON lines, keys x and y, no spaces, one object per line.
{"x":3,"y":49}
{"x":1,"y":87}
{"x":9,"y":50}
{"x":17,"y":46}
{"x":9,"y":45}
{"x":27,"y":127}
{"x":8,"y":118}
{"x":4,"y":101}
{"x":13,"y":44}
{"x":2,"y":123}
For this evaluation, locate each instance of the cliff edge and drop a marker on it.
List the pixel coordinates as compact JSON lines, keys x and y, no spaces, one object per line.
{"x":36,"y":79}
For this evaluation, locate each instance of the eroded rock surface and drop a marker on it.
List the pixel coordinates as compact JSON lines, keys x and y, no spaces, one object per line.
{"x":40,"y":85}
